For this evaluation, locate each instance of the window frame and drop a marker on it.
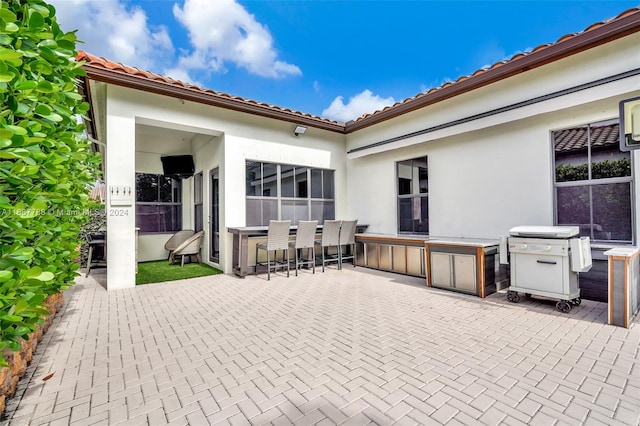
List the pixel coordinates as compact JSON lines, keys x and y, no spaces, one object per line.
{"x":161,"y":203}
{"x":419,"y":195}
{"x":590,"y":183}
{"x":197,"y":203}
{"x":279,"y":199}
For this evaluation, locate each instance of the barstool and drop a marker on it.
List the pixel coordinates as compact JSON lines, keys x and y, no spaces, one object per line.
{"x":305,"y":239}
{"x":330,"y":238}
{"x":95,"y":241}
{"x":277,"y":239}
{"x":348,"y":238}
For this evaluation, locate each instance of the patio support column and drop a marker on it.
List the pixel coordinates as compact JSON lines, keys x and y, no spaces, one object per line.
{"x":624,"y":285}
{"x":121,"y":214}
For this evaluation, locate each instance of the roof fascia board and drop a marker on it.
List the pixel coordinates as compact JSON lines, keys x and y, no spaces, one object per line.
{"x":578,"y":43}
{"x":161,"y":88}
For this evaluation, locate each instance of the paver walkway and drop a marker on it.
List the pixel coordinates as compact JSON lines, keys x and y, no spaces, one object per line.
{"x":349,"y":347}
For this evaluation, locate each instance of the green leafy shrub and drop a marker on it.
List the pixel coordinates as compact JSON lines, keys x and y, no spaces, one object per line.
{"x":45,"y":165}
{"x":570,"y":172}
{"x":599,"y":170}
{"x":611,"y":168}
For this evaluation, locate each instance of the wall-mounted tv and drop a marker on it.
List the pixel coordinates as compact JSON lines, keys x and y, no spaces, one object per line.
{"x":178,"y":166}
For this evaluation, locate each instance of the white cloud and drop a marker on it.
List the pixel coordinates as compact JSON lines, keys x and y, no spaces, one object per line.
{"x":316,"y":86}
{"x":181,"y":74}
{"x":488,"y":53}
{"x":119,"y":32}
{"x":222,"y":31}
{"x":359,"y":104}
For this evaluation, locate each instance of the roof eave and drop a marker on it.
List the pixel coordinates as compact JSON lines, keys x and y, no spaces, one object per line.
{"x":607,"y":32}
{"x":187,"y":94}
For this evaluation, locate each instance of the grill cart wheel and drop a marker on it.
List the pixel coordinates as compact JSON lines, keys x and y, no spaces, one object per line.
{"x":576,"y":302}
{"x":563,"y":306}
{"x":513,"y":296}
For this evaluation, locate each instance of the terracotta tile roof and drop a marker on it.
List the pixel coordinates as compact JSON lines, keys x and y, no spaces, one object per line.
{"x":633,"y":26}
{"x":623,"y":24}
{"x":95,"y":63}
{"x":577,"y":139}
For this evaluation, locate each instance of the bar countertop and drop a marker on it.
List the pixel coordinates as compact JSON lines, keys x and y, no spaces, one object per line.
{"x":459,"y":241}
{"x":473,"y":242}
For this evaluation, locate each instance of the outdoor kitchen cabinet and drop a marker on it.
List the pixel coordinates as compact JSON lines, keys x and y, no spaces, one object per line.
{"x":403,"y":255}
{"x":462,"y":265}
{"x":458,"y":264}
{"x":455,"y":271}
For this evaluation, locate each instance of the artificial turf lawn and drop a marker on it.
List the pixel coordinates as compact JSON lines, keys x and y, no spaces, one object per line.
{"x":159,"y":271}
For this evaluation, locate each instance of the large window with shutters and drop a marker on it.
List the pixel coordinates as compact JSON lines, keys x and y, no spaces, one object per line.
{"x":593,"y":182}
{"x":413,"y":196}
{"x":283,"y":191}
{"x":158,"y":203}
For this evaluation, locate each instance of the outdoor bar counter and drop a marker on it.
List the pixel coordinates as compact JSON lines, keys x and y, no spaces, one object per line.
{"x":466,"y":265}
{"x":245,"y":239}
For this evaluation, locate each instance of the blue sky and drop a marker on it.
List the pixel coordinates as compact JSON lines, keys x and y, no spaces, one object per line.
{"x":336,"y":59}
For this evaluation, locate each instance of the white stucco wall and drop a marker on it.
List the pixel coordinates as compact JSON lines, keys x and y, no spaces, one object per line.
{"x":120,"y":165}
{"x":481,"y":183}
{"x":474,"y":182}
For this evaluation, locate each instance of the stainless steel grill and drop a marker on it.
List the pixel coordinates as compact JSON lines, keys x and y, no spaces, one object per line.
{"x":545,"y":261}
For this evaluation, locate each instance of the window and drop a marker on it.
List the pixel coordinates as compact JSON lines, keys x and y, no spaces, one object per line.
{"x":197,"y":203}
{"x":593,"y":182}
{"x":158,"y":203}
{"x":281,"y":191}
{"x":413,"y":196}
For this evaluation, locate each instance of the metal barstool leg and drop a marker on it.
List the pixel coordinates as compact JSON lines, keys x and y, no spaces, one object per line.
{"x":89,"y":260}
{"x":353,"y":253}
{"x":287,"y":259}
{"x":313,"y":257}
{"x":288,"y":263}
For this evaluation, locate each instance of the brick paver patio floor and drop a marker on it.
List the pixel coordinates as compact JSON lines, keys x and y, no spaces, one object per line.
{"x":349,"y":347}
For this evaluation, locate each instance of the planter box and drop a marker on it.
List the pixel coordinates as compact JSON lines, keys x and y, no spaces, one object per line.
{"x":18,"y":361}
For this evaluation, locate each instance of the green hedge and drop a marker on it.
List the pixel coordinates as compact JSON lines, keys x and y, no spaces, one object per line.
{"x":45,"y":165}
{"x":599,"y":170}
